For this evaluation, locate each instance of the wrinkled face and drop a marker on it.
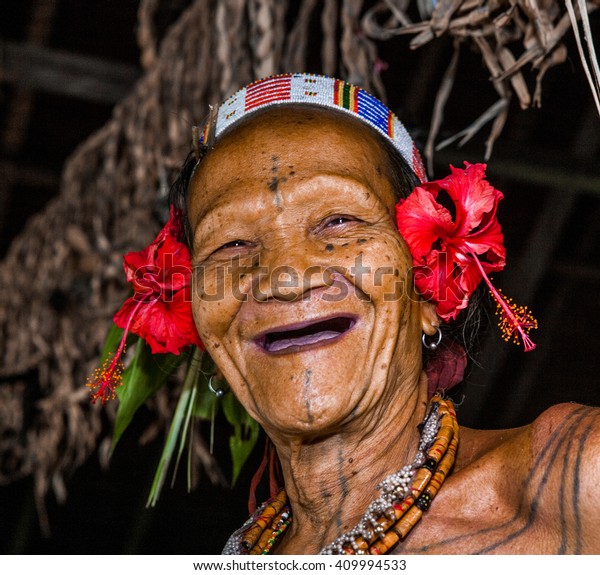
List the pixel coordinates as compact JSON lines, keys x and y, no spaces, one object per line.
{"x":300,"y":283}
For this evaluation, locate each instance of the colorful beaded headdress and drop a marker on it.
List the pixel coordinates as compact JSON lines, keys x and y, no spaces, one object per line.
{"x":321,"y":91}
{"x":453,"y":251}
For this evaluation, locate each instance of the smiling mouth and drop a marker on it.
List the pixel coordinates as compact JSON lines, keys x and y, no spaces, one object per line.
{"x":298,"y":338}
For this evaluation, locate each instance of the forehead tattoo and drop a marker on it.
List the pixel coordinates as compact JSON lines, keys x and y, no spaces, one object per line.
{"x":275,"y":181}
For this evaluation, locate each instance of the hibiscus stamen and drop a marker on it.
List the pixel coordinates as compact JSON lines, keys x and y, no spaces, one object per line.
{"x":106,"y":379}
{"x":515,"y":321}
{"x":510,"y":329}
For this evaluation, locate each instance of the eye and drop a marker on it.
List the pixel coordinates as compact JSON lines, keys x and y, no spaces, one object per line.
{"x":233,"y":244}
{"x":338,"y":220}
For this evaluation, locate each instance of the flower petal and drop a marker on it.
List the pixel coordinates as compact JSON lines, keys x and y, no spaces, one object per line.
{"x":174,"y":265}
{"x":167,"y":326}
{"x":476,"y":199}
{"x":439,"y":282}
{"x":422,"y":221}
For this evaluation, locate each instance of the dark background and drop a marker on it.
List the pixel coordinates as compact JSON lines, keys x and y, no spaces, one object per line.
{"x":63,"y":66}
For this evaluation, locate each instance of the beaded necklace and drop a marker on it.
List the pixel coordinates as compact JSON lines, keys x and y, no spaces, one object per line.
{"x":405,"y":496}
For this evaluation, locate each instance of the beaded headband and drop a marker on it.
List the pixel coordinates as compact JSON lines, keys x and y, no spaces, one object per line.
{"x":285,"y":89}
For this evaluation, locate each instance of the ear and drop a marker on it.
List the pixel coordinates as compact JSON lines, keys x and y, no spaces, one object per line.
{"x":429,"y":318}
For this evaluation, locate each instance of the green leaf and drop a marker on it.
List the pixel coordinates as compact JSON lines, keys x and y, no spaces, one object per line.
{"x":180,"y":418}
{"x":234,"y":411}
{"x":206,"y":402}
{"x":142,"y":379}
{"x":187,"y":418}
{"x":241,"y":444}
{"x":245,"y":433}
{"x":113,"y":337}
{"x":197,"y":400}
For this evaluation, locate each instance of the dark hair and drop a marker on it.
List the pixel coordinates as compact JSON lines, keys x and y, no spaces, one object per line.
{"x":466,"y":329}
{"x":178,"y":193}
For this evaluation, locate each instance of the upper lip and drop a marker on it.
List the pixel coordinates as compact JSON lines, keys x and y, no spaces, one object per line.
{"x":333,"y":323}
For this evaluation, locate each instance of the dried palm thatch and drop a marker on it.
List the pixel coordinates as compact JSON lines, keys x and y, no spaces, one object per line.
{"x":509,"y":34}
{"x":62,"y":279}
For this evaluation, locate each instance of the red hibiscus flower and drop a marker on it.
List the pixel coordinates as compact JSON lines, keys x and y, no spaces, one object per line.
{"x":453,"y":234}
{"x":160,"y":309}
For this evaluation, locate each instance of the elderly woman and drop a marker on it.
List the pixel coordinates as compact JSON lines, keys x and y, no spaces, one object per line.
{"x":295,"y":213}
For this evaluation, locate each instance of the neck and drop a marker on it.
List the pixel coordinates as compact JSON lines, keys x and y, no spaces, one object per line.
{"x":331,"y":481}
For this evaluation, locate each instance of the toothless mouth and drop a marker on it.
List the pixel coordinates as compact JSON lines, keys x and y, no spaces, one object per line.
{"x":298,"y":336}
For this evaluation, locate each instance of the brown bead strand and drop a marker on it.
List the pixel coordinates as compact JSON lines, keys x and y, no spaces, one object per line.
{"x":409,"y":513}
{"x":264,"y":543}
{"x":254,"y":532}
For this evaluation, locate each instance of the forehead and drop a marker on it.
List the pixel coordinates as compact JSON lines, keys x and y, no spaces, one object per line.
{"x":291,"y":142}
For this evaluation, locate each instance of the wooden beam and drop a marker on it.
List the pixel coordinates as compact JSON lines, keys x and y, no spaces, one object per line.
{"x":20,"y":106}
{"x":41,"y":69}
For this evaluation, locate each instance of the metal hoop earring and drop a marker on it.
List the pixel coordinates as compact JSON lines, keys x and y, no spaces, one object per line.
{"x":219,"y":392}
{"x":432,"y":345}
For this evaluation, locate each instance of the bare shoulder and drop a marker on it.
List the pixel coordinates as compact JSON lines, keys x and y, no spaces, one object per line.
{"x":571,"y":423}
{"x":564,"y":474}
{"x":540,"y":480}
{"x":563,"y":424}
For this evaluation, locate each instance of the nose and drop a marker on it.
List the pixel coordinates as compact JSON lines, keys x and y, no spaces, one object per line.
{"x":289,"y":273}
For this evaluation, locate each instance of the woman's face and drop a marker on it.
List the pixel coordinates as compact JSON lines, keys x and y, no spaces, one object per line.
{"x":302,"y":286}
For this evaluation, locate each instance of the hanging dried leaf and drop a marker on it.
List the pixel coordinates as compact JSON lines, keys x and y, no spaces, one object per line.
{"x":495,"y":28}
